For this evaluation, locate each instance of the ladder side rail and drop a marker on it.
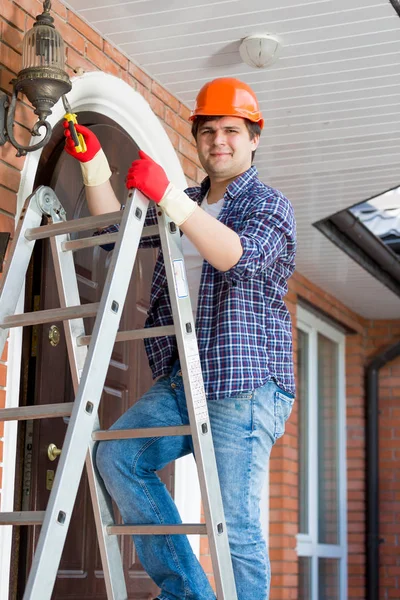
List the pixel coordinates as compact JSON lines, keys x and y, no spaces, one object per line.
{"x":104,"y":518}
{"x":68,"y":292}
{"x":58,"y":514}
{"x":197,"y":408}
{"x":20,"y":253}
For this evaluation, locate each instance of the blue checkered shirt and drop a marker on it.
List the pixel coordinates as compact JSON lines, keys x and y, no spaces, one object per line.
{"x":243,"y":327}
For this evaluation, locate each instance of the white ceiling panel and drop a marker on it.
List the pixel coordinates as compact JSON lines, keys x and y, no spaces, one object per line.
{"x":330,"y":103}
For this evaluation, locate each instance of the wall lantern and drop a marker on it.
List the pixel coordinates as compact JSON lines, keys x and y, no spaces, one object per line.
{"x":42,"y":80}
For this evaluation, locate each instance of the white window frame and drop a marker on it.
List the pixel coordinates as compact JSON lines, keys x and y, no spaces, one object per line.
{"x":307,"y":544}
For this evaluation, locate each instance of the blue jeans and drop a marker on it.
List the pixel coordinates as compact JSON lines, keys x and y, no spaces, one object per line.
{"x":244,"y":429}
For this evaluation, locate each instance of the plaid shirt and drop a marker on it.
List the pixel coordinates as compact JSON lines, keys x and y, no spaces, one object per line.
{"x":243,"y":326}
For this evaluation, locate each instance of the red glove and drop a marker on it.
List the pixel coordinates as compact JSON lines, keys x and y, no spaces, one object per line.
{"x":92,"y":143}
{"x":94,"y":164}
{"x":148,"y":177}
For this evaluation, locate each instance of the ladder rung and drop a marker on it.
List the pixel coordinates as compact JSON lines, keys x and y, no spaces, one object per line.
{"x":89,"y":242}
{"x":26,"y":517}
{"x":51,"y":315}
{"x":133,"y":334}
{"x":39,"y":411}
{"x":145,"y":432}
{"x":157,"y":529}
{"x":98,"y":222}
{"x":99,"y":240}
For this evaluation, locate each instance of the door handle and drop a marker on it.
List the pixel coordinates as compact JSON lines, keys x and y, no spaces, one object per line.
{"x":53,"y":452}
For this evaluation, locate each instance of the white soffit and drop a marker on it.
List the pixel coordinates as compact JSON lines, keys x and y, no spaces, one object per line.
{"x":330,"y":103}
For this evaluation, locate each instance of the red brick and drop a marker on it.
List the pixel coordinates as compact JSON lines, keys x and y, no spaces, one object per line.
{"x":12,"y":36}
{"x":59,"y":8}
{"x":5,"y":80}
{"x":182,"y":127}
{"x":77,"y":61}
{"x":10,"y":59}
{"x":70,"y":35}
{"x":102,"y":61}
{"x":10,"y":178}
{"x":188,"y":167}
{"x":13,"y":14}
{"x":3,"y":375}
{"x":188,"y":150}
{"x":83,"y":28}
{"x":32,"y":7}
{"x":4,"y":356}
{"x":165,"y":96}
{"x":184,"y":112}
{"x":143,"y":91}
{"x":8,"y":153}
{"x":157,"y":106}
{"x":116,"y":55}
{"x":173,"y":136}
{"x":140,"y":75}
{"x":129,"y":79}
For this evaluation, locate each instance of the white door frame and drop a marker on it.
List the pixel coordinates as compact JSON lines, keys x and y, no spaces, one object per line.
{"x":112,"y":97}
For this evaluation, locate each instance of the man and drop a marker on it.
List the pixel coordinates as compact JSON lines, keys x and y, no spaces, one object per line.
{"x":239,"y":245}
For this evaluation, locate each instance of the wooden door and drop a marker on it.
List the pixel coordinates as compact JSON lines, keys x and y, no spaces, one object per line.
{"x":80,"y":574}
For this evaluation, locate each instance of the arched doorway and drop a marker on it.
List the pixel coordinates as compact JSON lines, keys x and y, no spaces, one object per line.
{"x":102,"y":102}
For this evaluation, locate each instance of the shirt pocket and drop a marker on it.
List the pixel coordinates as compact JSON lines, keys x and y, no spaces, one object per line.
{"x":283,"y":405}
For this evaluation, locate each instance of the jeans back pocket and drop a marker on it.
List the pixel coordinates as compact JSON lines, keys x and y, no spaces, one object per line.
{"x":283,"y":405}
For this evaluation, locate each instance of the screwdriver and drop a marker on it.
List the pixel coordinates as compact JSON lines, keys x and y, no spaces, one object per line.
{"x":69,"y":116}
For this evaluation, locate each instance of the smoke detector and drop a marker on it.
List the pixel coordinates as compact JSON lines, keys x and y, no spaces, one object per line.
{"x":260,"y":50}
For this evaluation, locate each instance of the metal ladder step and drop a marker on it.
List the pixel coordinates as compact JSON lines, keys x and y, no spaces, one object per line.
{"x":188,"y":529}
{"x":100,"y":240}
{"x":27,"y":517}
{"x":31,"y":517}
{"x":49,"y":316}
{"x":41,"y":411}
{"x":145,"y":432}
{"x":98,"y":222}
{"x":133,"y":334}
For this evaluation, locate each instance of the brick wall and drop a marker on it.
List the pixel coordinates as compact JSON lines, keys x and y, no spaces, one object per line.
{"x":381,"y":335}
{"x":370,"y":338}
{"x":87,"y":51}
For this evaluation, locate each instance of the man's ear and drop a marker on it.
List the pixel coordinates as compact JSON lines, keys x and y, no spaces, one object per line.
{"x":255,"y":142}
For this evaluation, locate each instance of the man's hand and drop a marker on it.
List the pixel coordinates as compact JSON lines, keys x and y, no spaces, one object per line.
{"x":94,"y":164}
{"x":92,"y":143}
{"x":150,"y":178}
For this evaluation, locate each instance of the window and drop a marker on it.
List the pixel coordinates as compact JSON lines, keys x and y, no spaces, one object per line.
{"x":322,"y":537}
{"x":369,"y":232}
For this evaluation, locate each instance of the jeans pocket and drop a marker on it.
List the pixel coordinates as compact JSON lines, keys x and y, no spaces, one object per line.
{"x":241,"y":396}
{"x":239,"y":410}
{"x":283,"y":405}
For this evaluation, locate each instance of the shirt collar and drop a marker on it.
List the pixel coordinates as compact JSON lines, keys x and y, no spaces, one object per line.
{"x":237,"y":187}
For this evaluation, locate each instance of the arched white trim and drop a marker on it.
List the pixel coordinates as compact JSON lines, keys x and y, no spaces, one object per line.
{"x":112,"y":97}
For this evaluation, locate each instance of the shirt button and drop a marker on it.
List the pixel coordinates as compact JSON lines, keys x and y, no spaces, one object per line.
{"x":173,"y":385}
{"x":180,"y":373}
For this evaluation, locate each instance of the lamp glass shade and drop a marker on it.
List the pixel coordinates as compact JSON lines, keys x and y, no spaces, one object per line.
{"x":43,"y":46}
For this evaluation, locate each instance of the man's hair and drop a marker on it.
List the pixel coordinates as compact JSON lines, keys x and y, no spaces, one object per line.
{"x":253,"y":128}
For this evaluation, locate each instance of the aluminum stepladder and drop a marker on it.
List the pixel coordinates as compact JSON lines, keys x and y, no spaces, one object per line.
{"x":89,"y":357}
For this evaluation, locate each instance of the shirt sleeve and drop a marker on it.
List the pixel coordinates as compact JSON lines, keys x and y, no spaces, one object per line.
{"x":268,"y":235}
{"x":147,"y":242}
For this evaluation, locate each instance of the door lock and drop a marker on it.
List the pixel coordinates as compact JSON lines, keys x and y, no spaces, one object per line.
{"x":54,"y":335}
{"x":53,"y":452}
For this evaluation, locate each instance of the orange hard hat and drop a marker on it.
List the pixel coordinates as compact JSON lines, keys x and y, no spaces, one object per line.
{"x":227,"y":97}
